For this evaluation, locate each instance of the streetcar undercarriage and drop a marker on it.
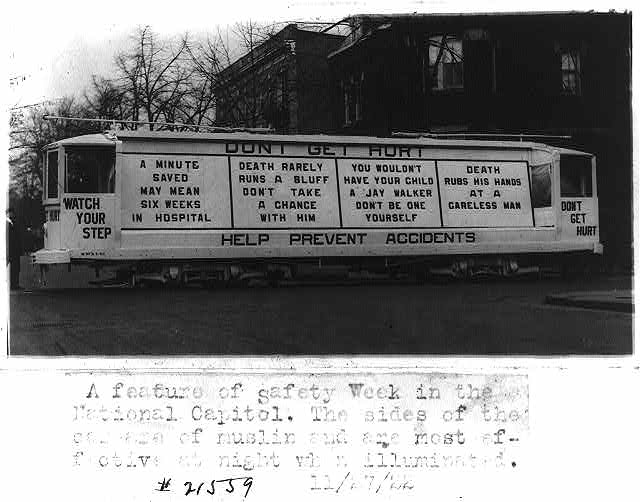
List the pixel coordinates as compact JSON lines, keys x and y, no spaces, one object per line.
{"x":272,"y":272}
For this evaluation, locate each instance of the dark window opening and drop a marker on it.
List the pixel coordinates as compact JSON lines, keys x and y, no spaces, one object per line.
{"x":274,"y":101}
{"x":90,"y":170}
{"x":541,"y":186}
{"x":575,"y":176}
{"x":352,"y":99}
{"x":445,"y":62}
{"x":570,"y":67}
{"x":282,"y":92}
{"x":52,"y":175}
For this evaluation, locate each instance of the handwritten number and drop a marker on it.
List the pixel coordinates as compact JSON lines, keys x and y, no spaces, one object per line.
{"x":191,"y":490}
{"x":247,"y":482}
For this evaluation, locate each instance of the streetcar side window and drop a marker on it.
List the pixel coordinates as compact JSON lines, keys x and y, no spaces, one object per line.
{"x":575,"y":176}
{"x":541,"y":185}
{"x":52,"y":174}
{"x":90,"y":170}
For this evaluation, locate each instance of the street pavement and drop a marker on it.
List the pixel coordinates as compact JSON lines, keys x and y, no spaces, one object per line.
{"x":490,"y":317}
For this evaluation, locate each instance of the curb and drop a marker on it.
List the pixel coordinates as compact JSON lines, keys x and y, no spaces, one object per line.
{"x":606,"y":300}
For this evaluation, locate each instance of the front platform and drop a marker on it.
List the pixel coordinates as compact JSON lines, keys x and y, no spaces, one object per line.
{"x":51,"y":256}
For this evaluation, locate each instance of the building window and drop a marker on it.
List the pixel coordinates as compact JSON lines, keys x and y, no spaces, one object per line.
{"x":570,"y":66}
{"x":275,"y":109}
{"x":291,"y":45}
{"x":352,"y":92}
{"x":445,"y":62}
{"x":282,"y":91}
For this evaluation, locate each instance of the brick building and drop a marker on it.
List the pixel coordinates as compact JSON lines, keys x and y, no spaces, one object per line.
{"x":556,"y":73}
{"x":281,"y":84}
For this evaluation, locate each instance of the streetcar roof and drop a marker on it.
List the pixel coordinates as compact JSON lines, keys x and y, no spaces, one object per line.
{"x":100,"y":139}
{"x":570,"y":151}
{"x":322,"y":138}
{"x":110,"y":138}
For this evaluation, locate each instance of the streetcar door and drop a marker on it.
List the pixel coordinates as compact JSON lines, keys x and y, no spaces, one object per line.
{"x":87,"y":208}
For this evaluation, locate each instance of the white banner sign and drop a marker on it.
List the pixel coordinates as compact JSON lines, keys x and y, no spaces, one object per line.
{"x":268,"y":192}
{"x":284,"y":192}
{"x":388,"y":193}
{"x":485,"y":194}
{"x":175,"y":191}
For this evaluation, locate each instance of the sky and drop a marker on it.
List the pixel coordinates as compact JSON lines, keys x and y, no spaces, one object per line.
{"x":55,"y":47}
{"x":55,"y":52}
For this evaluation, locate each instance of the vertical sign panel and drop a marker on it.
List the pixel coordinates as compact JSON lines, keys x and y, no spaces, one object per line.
{"x":579,"y":218}
{"x":164,"y":191}
{"x":290,"y":192}
{"x":87,"y":221}
{"x":485,"y":194}
{"x":388,"y":193}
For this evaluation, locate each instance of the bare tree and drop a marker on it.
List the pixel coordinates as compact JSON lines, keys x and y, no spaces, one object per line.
{"x":182,"y":80}
{"x":249,"y":93}
{"x":159,"y":80}
{"x":206,"y":61}
{"x":105,"y":99}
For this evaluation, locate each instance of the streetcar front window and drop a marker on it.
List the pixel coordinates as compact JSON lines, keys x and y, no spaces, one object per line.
{"x":575,"y":176}
{"x":52,"y":174}
{"x":90,"y":170}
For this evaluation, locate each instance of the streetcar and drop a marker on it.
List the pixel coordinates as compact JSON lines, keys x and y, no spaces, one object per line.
{"x":190,"y":206}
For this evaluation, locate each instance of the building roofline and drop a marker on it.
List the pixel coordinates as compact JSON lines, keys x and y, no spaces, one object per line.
{"x":291,"y":26}
{"x":421,"y":15}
